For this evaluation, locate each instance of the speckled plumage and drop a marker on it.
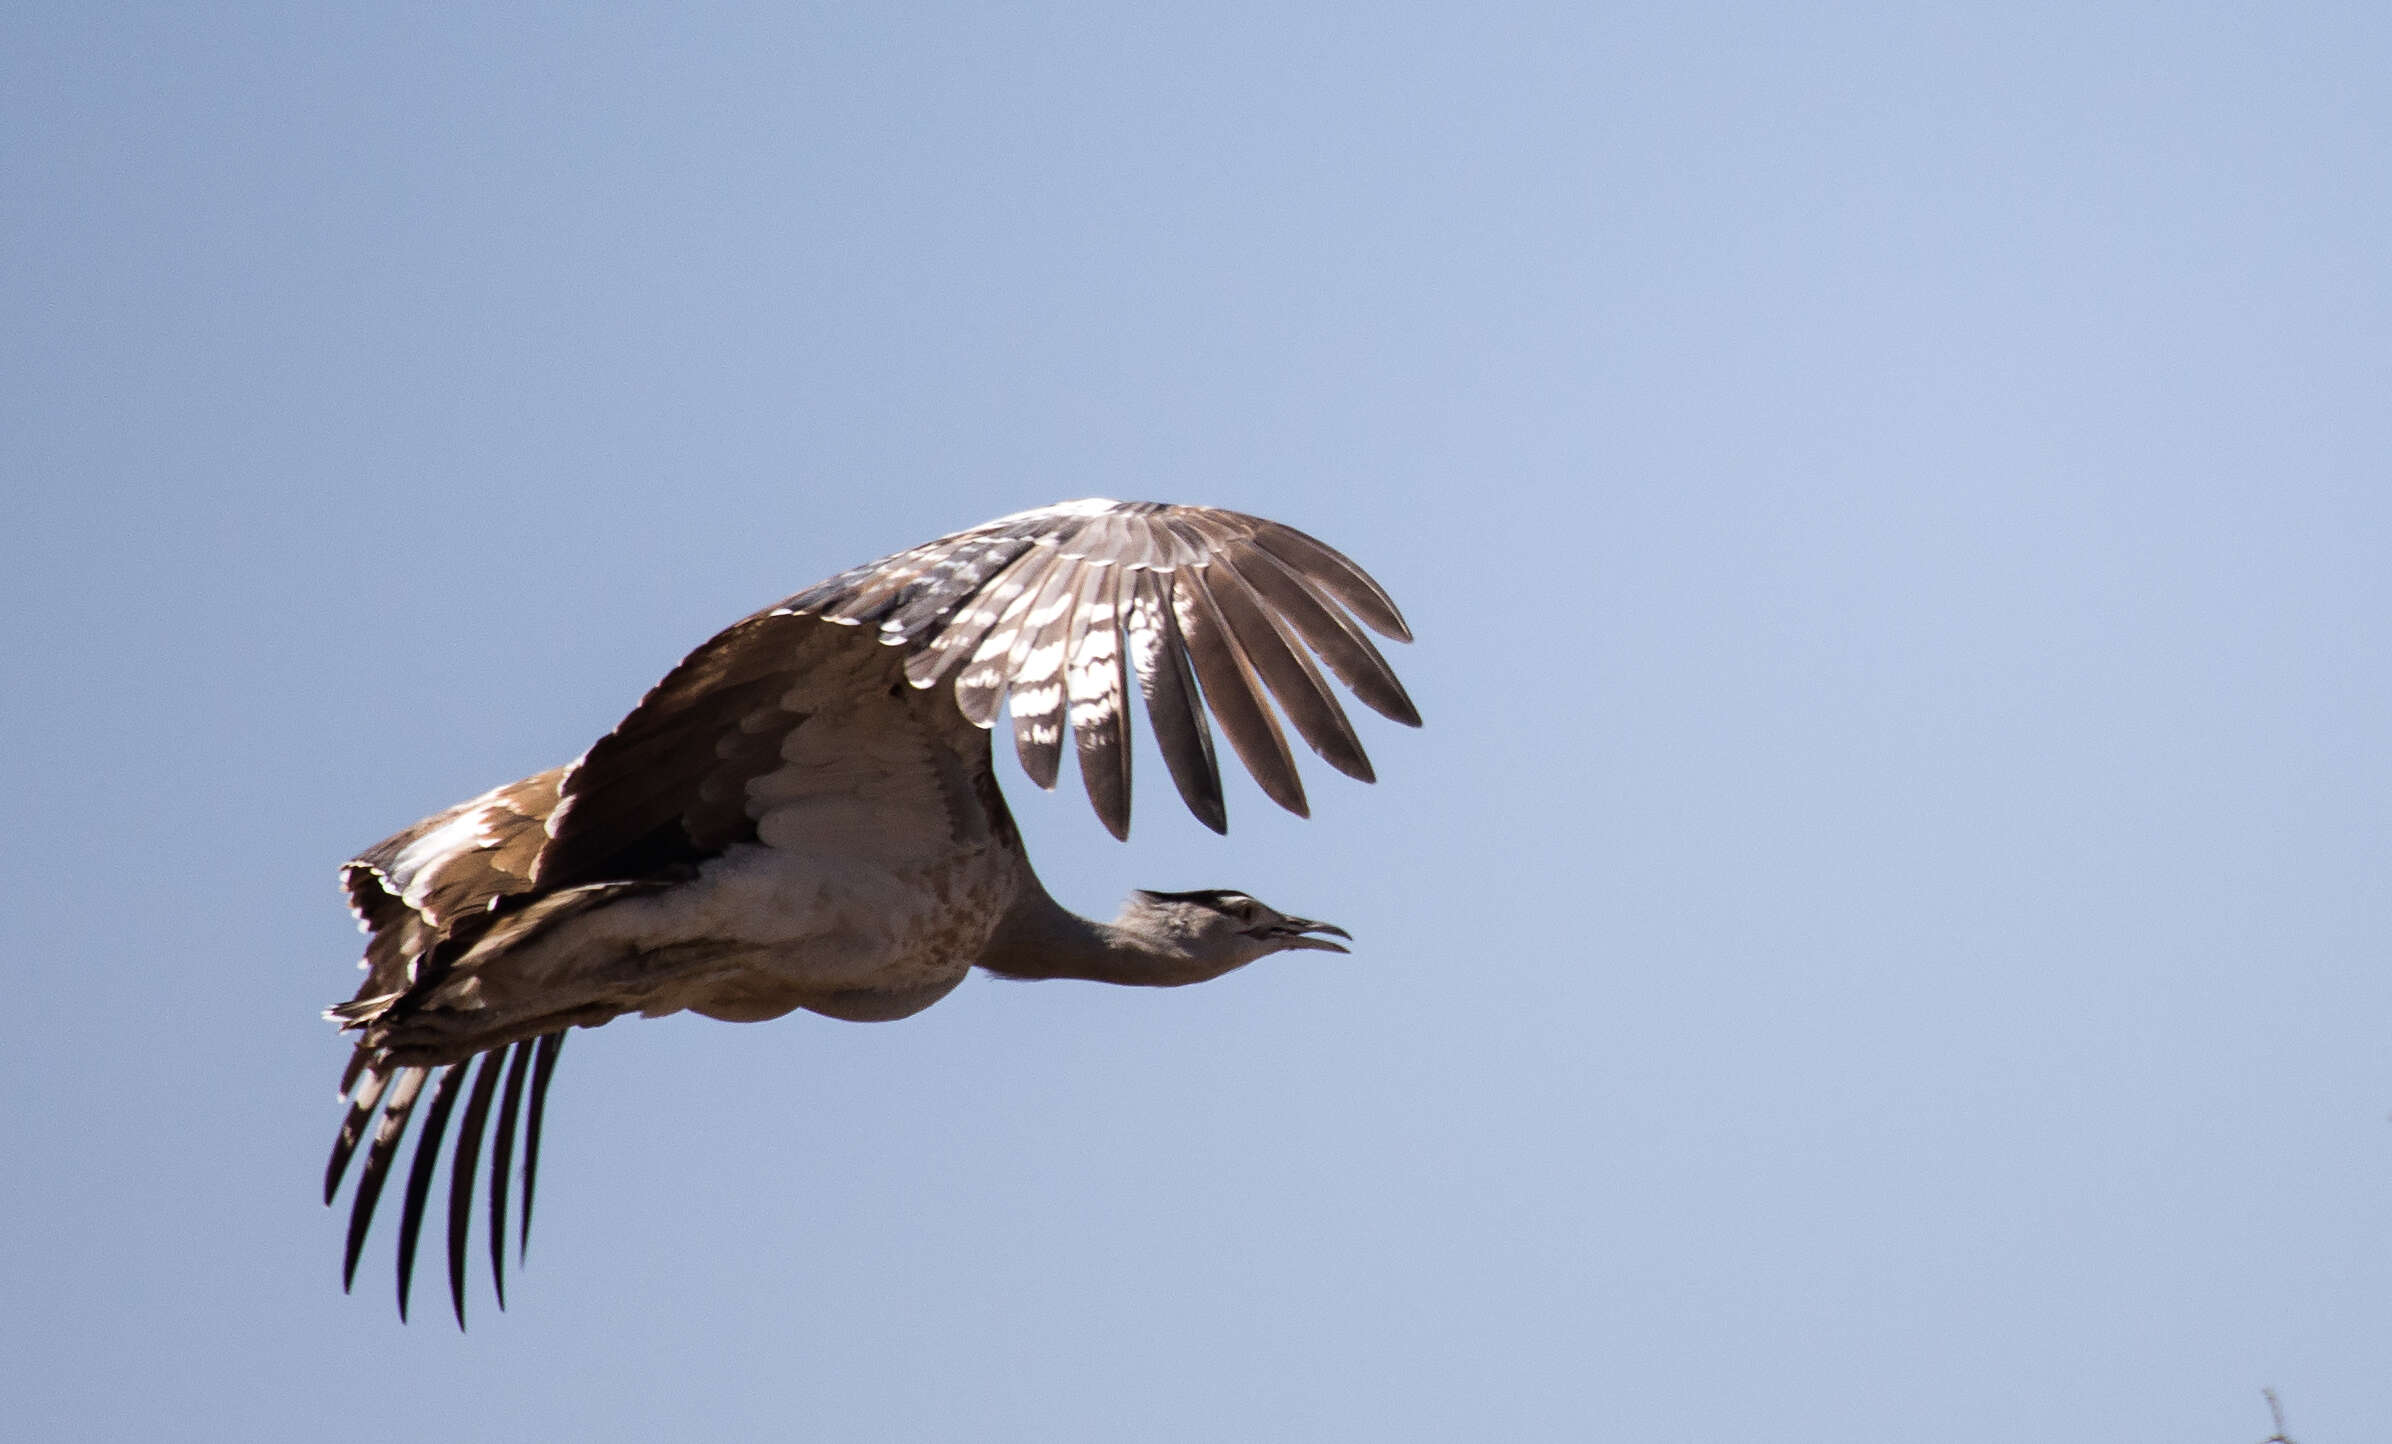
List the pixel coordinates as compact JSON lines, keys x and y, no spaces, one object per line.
{"x":803,"y":814}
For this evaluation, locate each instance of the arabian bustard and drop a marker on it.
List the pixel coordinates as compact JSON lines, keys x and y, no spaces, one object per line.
{"x":803,"y":814}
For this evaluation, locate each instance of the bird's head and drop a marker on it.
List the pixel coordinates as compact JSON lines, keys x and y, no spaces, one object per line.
{"x":1223,"y":928}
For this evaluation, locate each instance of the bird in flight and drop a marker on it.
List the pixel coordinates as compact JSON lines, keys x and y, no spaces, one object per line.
{"x":804,"y":814}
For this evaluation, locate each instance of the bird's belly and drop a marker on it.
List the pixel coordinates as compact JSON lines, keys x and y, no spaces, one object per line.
{"x":758,"y":932}
{"x":762,"y":930}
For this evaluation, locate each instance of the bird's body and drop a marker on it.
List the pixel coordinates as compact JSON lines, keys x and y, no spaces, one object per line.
{"x":804,"y":814}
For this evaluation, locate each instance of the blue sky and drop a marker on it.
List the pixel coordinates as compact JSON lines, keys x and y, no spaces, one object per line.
{"x":1883,"y":933}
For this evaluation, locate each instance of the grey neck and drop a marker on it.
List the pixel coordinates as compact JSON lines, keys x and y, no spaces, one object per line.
{"x":1040,"y":938}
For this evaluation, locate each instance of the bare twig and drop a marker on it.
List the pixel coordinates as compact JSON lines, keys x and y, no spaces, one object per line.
{"x":2275,"y":1410}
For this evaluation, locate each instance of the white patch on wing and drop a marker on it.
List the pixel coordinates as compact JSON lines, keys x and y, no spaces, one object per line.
{"x":1085,"y":506}
{"x":1056,"y":605}
{"x":1093,"y":677}
{"x":463,"y":833}
{"x":1039,"y":701}
{"x":1146,"y":639}
{"x":1039,"y":664}
{"x":988,"y":663}
{"x":472,"y":830}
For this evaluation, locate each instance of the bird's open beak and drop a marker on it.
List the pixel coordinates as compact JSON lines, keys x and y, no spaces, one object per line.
{"x":1292,"y":933}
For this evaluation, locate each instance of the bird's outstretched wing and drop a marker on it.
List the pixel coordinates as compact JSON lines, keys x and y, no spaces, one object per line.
{"x":1054,"y":609}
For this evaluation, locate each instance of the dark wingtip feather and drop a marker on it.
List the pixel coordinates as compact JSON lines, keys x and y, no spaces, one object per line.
{"x":502,"y":1154}
{"x":1231,"y":688}
{"x":1328,"y":630}
{"x":1334,"y":571}
{"x":543,"y":1064}
{"x":1105,"y":773}
{"x":1283,"y":665}
{"x":402,"y":1096}
{"x":358,"y":1059}
{"x":419,"y":1175}
{"x":462,"y":1166}
{"x":344,"y":1145}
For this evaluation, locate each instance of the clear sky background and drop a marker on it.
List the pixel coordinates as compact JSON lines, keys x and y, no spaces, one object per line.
{"x":1883,"y":935}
